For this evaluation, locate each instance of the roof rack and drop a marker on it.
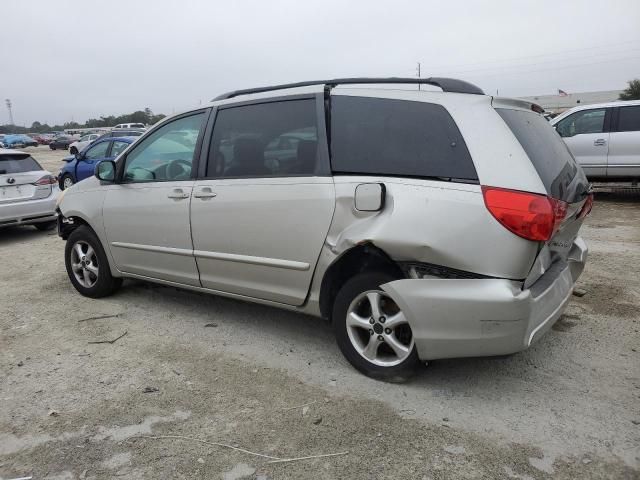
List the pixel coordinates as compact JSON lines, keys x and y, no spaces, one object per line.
{"x":452,"y":85}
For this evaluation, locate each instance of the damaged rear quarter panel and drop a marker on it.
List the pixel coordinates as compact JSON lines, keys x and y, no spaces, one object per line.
{"x":433,"y":222}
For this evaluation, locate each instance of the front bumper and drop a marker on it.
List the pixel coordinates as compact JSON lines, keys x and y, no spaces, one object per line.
{"x":483,"y":317}
{"x":29,"y":211}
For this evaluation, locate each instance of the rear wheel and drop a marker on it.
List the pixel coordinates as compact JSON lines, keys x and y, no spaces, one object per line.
{"x":87,"y":264}
{"x":372,"y":331}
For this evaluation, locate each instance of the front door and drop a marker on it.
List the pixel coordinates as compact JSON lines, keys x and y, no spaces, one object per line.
{"x":261,"y":216}
{"x":587,"y":137}
{"x":146,"y":215}
{"x":94,"y":155}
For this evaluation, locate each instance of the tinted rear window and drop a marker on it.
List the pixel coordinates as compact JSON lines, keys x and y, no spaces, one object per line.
{"x":17,"y":164}
{"x":375,"y":136}
{"x":629,"y":119}
{"x":551,"y":158}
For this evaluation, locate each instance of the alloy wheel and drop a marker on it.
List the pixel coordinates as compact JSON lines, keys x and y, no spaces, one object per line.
{"x":378,"y":330}
{"x":84,"y":263}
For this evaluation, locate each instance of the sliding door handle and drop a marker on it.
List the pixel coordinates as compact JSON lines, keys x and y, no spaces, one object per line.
{"x":204,"y":193}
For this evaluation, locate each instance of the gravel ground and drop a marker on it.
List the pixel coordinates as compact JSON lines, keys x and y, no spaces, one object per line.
{"x":274,"y":383}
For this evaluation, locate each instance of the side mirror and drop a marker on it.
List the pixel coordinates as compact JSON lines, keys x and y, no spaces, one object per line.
{"x":106,"y":171}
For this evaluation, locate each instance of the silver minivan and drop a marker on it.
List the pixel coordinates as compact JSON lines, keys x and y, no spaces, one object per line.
{"x":422,"y":224}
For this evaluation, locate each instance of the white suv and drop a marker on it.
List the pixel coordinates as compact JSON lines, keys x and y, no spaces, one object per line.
{"x":604,"y":139}
{"x":424,"y":225}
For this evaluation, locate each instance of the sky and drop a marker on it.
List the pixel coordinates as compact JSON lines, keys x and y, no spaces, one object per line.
{"x":65,"y":60}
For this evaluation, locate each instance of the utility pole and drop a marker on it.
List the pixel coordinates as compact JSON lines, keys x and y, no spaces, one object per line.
{"x":418,"y":70}
{"x":8,"y":102}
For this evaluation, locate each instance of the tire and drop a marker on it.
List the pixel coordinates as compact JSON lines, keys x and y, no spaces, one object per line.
{"x":354,"y":338}
{"x":52,"y":147}
{"x":87,"y":264}
{"x":45,"y":226}
{"x":66,"y":181}
{"x":73,"y":150}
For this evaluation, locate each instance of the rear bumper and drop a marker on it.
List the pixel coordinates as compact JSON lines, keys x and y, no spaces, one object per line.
{"x":30,"y":211}
{"x":484,"y":317}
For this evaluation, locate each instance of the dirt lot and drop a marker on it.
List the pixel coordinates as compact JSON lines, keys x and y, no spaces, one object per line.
{"x":274,"y":383}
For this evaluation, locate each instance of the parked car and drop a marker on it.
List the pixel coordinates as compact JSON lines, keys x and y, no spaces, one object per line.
{"x":128,"y":126}
{"x":423,"y":225}
{"x":43,"y":139}
{"x":19,"y":141}
{"x":82,"y":164}
{"x":604,"y":138}
{"x":61,"y":142}
{"x":27,"y":192}
{"x":79,"y":145}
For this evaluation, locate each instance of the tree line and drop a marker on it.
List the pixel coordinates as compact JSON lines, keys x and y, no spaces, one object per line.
{"x":145,"y":116}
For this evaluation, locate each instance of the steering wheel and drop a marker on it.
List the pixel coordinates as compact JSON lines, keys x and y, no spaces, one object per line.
{"x":178,"y":167}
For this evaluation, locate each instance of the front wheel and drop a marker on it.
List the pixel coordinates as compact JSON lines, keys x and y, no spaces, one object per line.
{"x":66,"y":181}
{"x":372,"y":331}
{"x":52,"y":147}
{"x":73,"y":150}
{"x":87,"y":264}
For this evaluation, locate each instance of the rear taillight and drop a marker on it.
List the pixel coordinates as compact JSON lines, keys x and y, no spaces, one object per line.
{"x":46,"y":180}
{"x":586,"y":207}
{"x":529,"y":215}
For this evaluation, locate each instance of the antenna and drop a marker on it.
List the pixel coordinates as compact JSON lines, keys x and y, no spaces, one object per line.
{"x":418,"y":71}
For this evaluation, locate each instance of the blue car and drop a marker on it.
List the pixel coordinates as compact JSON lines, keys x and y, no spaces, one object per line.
{"x":19,"y":141}
{"x":83,"y":164}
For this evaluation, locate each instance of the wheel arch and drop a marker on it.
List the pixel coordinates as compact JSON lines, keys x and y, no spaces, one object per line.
{"x":365,"y":257}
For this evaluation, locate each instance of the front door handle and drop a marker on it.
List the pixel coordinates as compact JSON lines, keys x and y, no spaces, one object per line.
{"x":204,"y":193}
{"x":178,"y":194}
{"x":599,"y":142}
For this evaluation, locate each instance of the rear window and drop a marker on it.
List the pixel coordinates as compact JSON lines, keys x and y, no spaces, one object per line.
{"x":17,"y":164}
{"x":549,"y":154}
{"x":375,"y":136}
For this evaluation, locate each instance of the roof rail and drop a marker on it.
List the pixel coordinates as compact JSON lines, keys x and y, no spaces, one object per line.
{"x":452,"y":85}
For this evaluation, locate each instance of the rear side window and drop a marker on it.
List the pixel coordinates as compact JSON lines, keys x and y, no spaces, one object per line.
{"x":375,"y":136}
{"x":550,"y":156}
{"x":629,"y":119}
{"x":275,"y":139}
{"x":17,"y":164}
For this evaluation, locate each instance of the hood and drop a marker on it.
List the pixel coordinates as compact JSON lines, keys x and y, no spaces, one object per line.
{"x":88,"y":183}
